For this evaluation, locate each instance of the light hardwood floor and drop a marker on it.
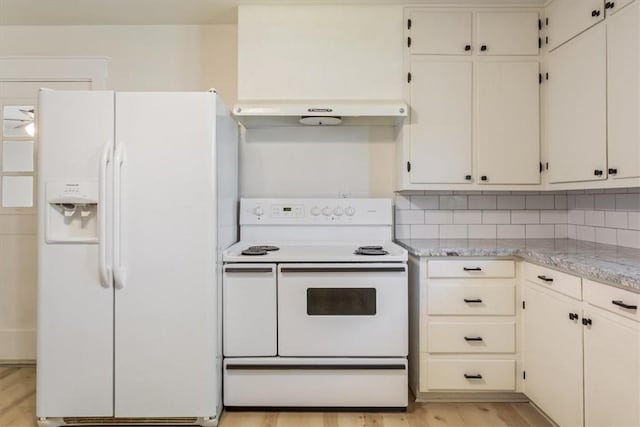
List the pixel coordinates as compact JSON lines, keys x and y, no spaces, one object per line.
{"x":18,"y":403}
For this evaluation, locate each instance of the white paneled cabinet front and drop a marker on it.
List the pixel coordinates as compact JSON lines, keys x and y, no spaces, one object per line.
{"x":508,"y":122}
{"x":568,"y":18}
{"x":507,"y":33}
{"x":441,"y":32}
{"x":576,"y":113}
{"x":441,"y":120}
{"x":623,"y":92}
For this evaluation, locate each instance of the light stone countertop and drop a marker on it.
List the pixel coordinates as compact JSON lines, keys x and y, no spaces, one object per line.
{"x":615,"y":265}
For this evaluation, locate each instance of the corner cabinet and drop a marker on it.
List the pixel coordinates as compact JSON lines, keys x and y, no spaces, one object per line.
{"x":473,"y":87}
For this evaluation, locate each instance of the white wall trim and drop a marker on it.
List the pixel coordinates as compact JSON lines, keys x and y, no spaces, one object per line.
{"x":43,"y":68}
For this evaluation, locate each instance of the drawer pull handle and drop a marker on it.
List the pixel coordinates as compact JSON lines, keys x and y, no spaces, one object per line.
{"x":473,"y":339}
{"x":473,"y":377}
{"x":545,"y":278}
{"x":248,"y":270}
{"x":623,"y":305}
{"x":473,"y":301}
{"x":471,"y":268}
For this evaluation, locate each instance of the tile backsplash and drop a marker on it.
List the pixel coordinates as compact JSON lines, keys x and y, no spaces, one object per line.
{"x":605,"y":216}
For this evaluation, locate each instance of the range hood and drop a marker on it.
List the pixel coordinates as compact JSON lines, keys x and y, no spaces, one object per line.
{"x":262,"y":114}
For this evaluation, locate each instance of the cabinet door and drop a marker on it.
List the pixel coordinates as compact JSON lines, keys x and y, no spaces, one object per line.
{"x":440,"y":121}
{"x":611,"y":370}
{"x":623,"y":92}
{"x":568,"y":18}
{"x":507,"y":33}
{"x":508,"y":122}
{"x":553,"y":355}
{"x":441,"y":33}
{"x":616,"y":6}
{"x":576,"y":113}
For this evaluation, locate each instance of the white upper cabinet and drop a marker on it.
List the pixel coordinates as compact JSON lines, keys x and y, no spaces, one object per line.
{"x":568,"y":18}
{"x":508,"y":122}
{"x":576,"y":114}
{"x":440,"y":33}
{"x":441,"y":118}
{"x":623,"y":92}
{"x":507,"y":33}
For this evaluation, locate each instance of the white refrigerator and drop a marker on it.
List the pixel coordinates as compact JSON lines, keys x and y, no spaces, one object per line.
{"x":137,"y":198}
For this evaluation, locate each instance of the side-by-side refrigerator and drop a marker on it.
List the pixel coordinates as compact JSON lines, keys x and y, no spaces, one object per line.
{"x":137,"y":198}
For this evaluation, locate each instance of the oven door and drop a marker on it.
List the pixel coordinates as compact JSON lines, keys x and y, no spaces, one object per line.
{"x":357,"y":310}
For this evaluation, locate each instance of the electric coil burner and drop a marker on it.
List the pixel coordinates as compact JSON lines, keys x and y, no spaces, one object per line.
{"x":315,"y":306}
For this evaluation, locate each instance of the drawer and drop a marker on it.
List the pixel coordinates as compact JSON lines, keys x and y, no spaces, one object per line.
{"x":471,"y":337}
{"x":448,"y":374}
{"x":564,"y":283}
{"x":471,"y":268}
{"x":612,"y":299}
{"x":445,"y":297}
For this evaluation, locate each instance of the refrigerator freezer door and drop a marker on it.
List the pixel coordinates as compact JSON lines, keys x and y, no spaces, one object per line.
{"x":75,"y":310}
{"x":166,"y":304}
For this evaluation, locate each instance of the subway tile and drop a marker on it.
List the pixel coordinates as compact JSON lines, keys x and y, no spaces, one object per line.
{"x":628,"y":238}
{"x":402,"y":202}
{"x":633,"y":190}
{"x":427,"y":231}
{"x":615,"y":219}
{"x":553,"y":217}
{"x":586,"y":233}
{"x":511,"y":231}
{"x":482,"y":202}
{"x":606,"y":236}
{"x":575,"y":216}
{"x":425,"y":202}
{"x":560,"y":201}
{"x":628,"y":202}
{"x":438,"y":217}
{"x":453,"y":231}
{"x":571,"y":201}
{"x":511,"y":202}
{"x":482,"y":231}
{"x":525,"y":217}
{"x":467,"y":217}
{"x":436,"y":192}
{"x":594,"y":218}
{"x":634,"y":220}
{"x":576,"y":192}
{"x":537,"y":231}
{"x":453,"y":202}
{"x":561,"y":231}
{"x":410,"y":217}
{"x":586,"y":201}
{"x":572,"y":231}
{"x":605,"y":202}
{"x":496,"y":217}
{"x":540,"y":202}
{"x":403,"y":231}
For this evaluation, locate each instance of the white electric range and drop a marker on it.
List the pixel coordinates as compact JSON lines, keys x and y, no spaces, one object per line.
{"x":315,"y":306}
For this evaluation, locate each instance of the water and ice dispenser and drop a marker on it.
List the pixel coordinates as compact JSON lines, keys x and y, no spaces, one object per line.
{"x":72,"y":212}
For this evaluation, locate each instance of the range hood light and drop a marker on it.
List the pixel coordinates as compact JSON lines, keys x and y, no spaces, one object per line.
{"x":320,"y":120}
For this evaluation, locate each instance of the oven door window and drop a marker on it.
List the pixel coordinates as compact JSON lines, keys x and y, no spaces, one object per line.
{"x":341,"y":301}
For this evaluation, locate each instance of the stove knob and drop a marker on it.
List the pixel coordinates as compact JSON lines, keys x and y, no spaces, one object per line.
{"x":315,"y":211}
{"x":350,"y":211}
{"x":326,"y":211}
{"x":338,"y":211}
{"x":258,"y":211}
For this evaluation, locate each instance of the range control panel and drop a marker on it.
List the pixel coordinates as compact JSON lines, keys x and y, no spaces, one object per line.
{"x":316,"y":211}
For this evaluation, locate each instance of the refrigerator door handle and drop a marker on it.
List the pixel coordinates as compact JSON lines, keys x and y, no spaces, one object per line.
{"x":118,"y":271}
{"x":106,"y":278}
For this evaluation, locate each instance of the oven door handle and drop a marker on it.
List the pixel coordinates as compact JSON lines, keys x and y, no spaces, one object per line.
{"x":248,"y":270}
{"x":312,"y":367}
{"x":343,"y":270}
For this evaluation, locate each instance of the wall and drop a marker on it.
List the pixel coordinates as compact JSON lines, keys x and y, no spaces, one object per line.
{"x":609,"y":216}
{"x":144,"y":58}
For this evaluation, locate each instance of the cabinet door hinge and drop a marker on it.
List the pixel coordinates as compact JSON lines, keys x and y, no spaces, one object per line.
{"x":539,"y":24}
{"x":524,"y":375}
{"x":408,"y":166}
{"x":546,"y":165}
{"x":408,"y":77}
{"x":541,"y":167}
{"x":539,"y":43}
{"x":408,"y":41}
{"x":524,"y":305}
{"x":408,"y":24}
{"x":540,"y":78}
{"x":546,"y":21}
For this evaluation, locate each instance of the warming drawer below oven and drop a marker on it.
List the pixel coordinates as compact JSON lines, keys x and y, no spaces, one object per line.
{"x":315,"y":382}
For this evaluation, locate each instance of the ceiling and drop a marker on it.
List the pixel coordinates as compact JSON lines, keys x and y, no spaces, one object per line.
{"x":159,"y":12}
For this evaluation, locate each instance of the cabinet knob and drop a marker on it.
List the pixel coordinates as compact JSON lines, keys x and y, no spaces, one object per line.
{"x":573,"y":316}
{"x":586,"y":322}
{"x":595,"y":13}
{"x":613,"y":171}
{"x":484,"y":178}
{"x":467,"y":177}
{"x":609,"y":5}
{"x":467,"y":47}
{"x":598,"y":172}
{"x":483,"y":47}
